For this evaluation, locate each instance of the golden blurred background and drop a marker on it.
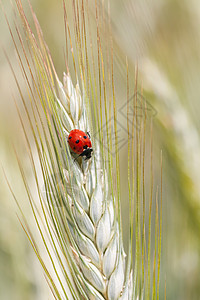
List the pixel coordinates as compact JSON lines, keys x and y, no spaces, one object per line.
{"x":164,"y":38}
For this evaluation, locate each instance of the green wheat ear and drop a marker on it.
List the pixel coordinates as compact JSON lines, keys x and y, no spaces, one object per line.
{"x":79,"y":219}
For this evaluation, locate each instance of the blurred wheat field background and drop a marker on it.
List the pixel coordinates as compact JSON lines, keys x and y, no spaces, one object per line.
{"x":163,"y":37}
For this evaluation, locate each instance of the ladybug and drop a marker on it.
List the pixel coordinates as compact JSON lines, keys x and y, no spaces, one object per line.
{"x":80,"y":143}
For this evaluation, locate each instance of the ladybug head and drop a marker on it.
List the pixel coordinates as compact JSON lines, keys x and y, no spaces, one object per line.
{"x":87,"y":153}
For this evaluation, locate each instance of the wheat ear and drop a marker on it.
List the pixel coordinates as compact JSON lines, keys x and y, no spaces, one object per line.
{"x":90,"y":206}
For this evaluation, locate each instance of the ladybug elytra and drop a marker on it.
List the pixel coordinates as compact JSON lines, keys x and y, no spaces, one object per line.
{"x":80,"y":143}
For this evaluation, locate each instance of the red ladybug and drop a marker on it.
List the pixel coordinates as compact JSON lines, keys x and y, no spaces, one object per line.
{"x":80,"y":143}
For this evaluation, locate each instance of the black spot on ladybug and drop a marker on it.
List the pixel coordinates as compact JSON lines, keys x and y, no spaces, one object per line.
{"x":70,"y":137}
{"x":74,"y":148}
{"x":77,"y":141}
{"x":85,"y":147}
{"x":85,"y":137}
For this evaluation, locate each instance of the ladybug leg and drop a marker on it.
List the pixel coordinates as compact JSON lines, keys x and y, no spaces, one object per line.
{"x":88,"y":133}
{"x":77,"y":157}
{"x":87,"y":157}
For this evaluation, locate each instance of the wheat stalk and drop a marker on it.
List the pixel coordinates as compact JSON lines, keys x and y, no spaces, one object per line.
{"x":79,"y":219}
